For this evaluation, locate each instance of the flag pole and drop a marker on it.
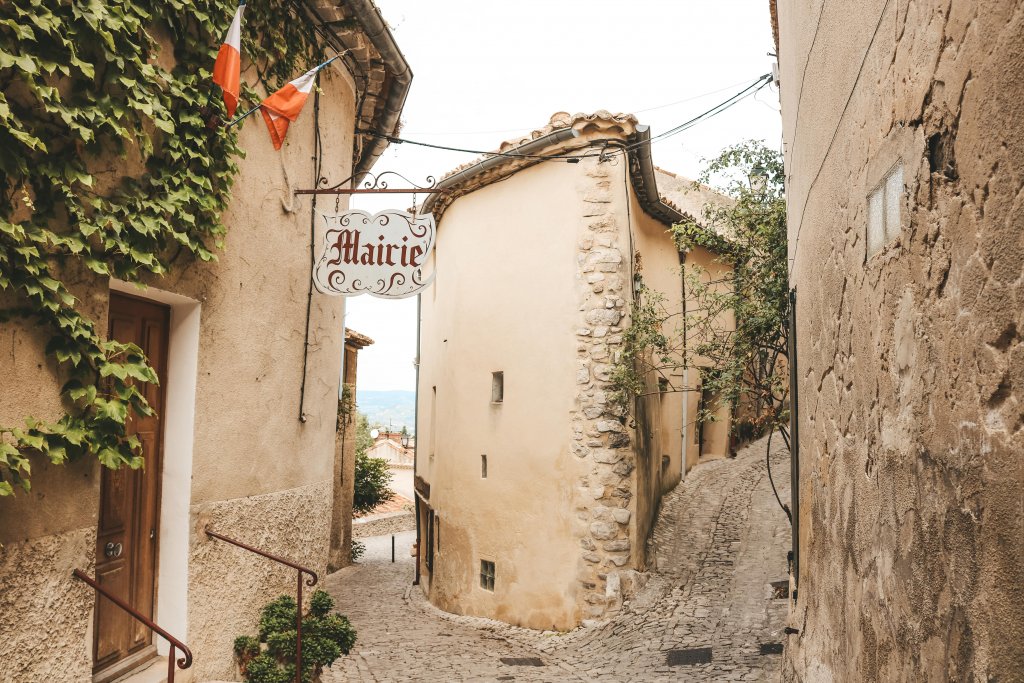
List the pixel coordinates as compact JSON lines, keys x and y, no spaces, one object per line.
{"x":239,"y":118}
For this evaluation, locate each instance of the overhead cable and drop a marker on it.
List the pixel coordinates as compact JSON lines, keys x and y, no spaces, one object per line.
{"x":714,"y":111}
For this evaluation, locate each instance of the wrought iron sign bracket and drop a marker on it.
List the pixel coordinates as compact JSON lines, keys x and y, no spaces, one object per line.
{"x":378,"y":186}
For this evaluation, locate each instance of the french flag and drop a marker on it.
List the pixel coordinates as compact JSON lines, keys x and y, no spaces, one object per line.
{"x":227,"y":70}
{"x":284,"y":106}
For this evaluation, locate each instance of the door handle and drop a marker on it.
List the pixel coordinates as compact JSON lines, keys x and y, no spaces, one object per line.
{"x":112,"y":550}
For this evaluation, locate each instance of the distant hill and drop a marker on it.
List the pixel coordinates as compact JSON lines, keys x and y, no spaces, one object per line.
{"x":396,"y":409}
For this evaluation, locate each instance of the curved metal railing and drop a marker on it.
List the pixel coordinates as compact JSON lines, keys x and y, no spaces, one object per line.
{"x":183,"y":662}
{"x":311,"y":581}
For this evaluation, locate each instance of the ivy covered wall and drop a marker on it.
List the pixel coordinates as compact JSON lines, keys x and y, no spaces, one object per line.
{"x":114,"y":161}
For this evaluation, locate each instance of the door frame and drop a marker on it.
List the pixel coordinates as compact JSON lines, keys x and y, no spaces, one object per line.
{"x":178,"y":424}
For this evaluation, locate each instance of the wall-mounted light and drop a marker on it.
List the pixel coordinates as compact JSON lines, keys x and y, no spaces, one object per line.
{"x":758,"y":179}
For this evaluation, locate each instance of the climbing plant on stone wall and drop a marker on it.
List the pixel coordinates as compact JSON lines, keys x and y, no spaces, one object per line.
{"x":745,"y":364}
{"x":113,"y":163}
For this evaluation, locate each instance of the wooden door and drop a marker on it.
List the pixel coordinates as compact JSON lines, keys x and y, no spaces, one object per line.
{"x":127,"y":534}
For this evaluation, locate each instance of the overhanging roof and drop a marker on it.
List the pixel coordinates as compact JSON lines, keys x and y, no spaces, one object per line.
{"x":382,"y":75}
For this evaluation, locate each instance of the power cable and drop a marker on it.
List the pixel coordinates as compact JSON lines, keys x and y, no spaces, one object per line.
{"x":526,"y":129}
{"x":514,"y":155}
{"x":714,"y":111}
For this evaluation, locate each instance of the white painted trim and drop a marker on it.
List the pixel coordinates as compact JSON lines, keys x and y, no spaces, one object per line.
{"x":176,"y":482}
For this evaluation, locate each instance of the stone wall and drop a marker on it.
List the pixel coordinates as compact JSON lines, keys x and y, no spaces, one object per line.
{"x":605,"y":494}
{"x":910,"y":359}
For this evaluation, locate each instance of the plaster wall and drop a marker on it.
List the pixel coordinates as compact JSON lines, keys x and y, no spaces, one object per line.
{"x":712,"y":440}
{"x":910,"y":360}
{"x":229,"y":585}
{"x":661,"y":270}
{"x":248,"y":441}
{"x":503,"y":301}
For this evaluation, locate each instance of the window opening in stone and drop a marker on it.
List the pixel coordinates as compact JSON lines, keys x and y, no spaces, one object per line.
{"x":487,"y":575}
{"x":497,"y":387}
{"x":884,"y":207}
{"x":483,"y":466}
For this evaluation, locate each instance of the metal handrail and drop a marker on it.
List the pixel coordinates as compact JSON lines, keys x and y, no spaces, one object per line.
{"x":311,"y":581}
{"x":183,"y":663}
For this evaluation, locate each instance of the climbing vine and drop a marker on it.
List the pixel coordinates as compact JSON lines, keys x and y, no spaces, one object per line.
{"x":113,"y":161}
{"x":743,"y":364}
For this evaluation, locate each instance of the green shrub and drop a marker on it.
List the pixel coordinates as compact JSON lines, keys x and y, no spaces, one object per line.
{"x":371,"y":483}
{"x":326,"y":636}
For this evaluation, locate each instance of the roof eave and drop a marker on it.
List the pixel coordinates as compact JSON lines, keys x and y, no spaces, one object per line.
{"x":484,"y":165}
{"x":398,"y":74}
{"x":645,"y":184}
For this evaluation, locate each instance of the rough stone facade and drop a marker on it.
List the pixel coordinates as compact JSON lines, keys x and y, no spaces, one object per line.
{"x":47,"y":616}
{"x":604,"y":494}
{"x":910,"y":359}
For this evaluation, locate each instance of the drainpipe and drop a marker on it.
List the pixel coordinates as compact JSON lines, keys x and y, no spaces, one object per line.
{"x":686,"y":373}
{"x":416,"y":434}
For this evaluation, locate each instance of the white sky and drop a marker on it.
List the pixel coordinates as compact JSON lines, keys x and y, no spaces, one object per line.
{"x":490,"y":71}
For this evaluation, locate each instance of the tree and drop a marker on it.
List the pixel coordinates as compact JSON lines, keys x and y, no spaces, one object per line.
{"x":744,"y":365}
{"x":364,"y":441}
{"x":373,"y":478}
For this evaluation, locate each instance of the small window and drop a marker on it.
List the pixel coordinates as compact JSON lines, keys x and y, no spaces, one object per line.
{"x":497,"y":387}
{"x":487,"y":575}
{"x":884,"y":204}
{"x":483,"y":466}
{"x":663,"y":384}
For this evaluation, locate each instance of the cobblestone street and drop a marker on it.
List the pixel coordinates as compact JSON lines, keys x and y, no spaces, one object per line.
{"x":720,"y":541}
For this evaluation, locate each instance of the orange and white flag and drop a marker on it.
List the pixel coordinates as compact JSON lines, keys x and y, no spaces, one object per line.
{"x":284,"y":106}
{"x":227,"y":70}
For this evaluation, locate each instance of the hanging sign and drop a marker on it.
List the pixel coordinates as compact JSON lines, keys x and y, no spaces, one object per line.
{"x":381,"y":254}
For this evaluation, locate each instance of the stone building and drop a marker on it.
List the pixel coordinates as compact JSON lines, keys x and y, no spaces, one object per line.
{"x":536,"y":490}
{"x":904,"y":163}
{"x":232,"y":448}
{"x":345,"y":454}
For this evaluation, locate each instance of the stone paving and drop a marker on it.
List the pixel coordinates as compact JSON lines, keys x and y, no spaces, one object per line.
{"x":720,"y":541}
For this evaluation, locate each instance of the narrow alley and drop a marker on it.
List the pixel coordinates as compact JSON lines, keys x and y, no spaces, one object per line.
{"x":706,"y":613}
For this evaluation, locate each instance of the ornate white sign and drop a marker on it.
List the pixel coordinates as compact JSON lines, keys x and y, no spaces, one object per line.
{"x":382,"y":254}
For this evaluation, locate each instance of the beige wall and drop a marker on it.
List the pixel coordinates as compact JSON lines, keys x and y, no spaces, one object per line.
{"x":249,"y":446}
{"x":712,"y":441}
{"x":910,"y":361}
{"x":503,"y":300}
{"x":662,"y":272}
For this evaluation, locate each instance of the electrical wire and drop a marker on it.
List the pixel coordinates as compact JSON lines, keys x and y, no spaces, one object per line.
{"x":513,"y":155}
{"x":714,"y":111}
{"x":771,"y":480}
{"x":317,"y":170}
{"x":832,"y":141}
{"x":525,"y":129}
{"x":749,"y":90}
